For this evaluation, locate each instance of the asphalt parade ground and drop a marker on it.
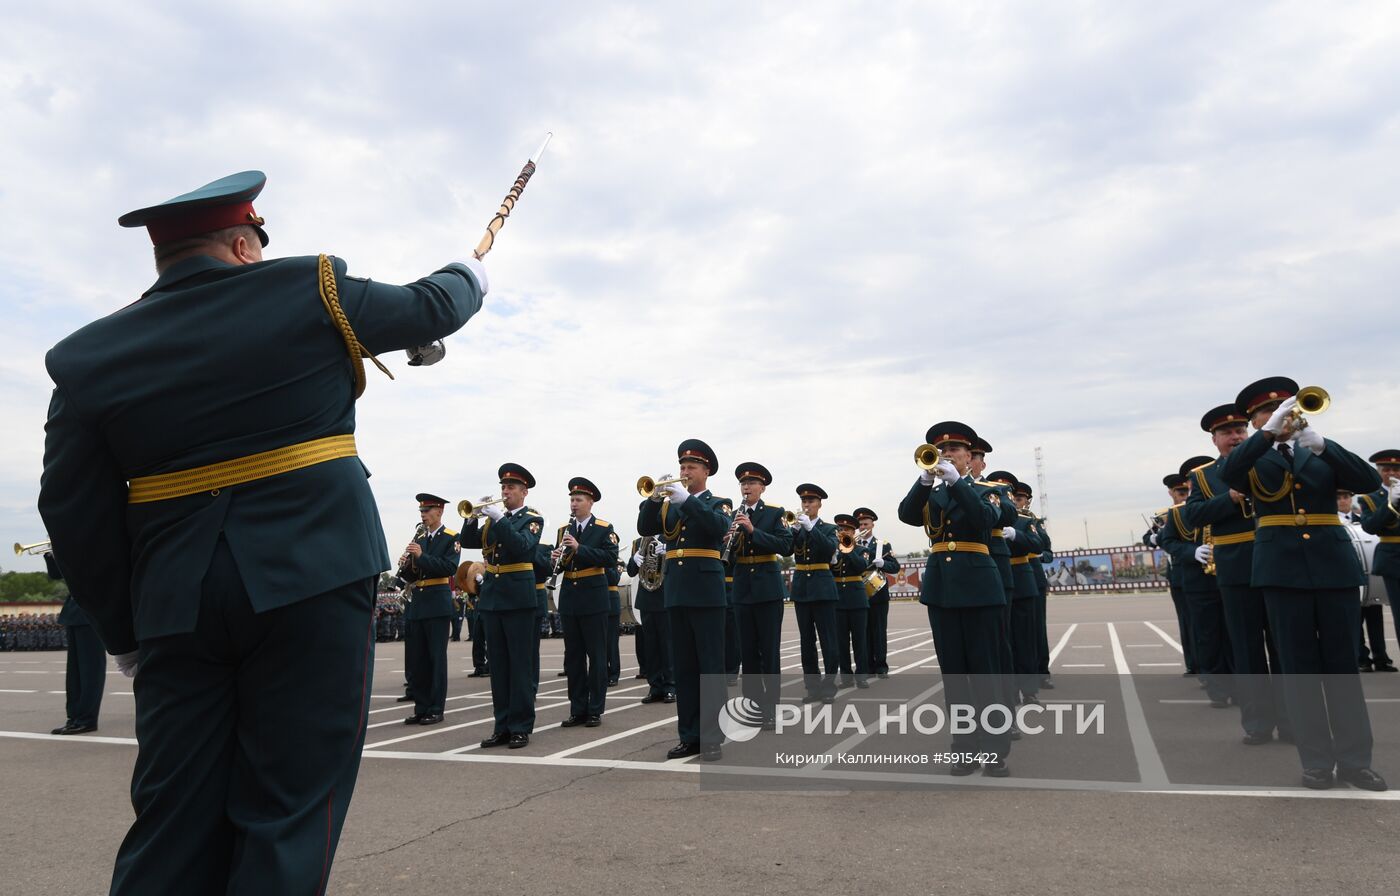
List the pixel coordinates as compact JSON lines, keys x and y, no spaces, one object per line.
{"x":1167,"y":800}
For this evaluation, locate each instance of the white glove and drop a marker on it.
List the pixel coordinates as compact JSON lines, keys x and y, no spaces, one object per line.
{"x":1204,"y":553}
{"x":1009,"y":533}
{"x":1394,"y":489}
{"x":928,"y":477}
{"x":805,"y":521}
{"x":1153,"y":538}
{"x":426,"y":355}
{"x":494,"y":511}
{"x":480,"y":578}
{"x":1311,"y":440}
{"x":126,"y":663}
{"x":1275,"y":424}
{"x":677,"y":493}
{"x":947,"y":472}
{"x":661,"y":549}
{"x":478,"y":273}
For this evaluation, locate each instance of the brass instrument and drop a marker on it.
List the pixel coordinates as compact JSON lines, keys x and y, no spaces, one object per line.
{"x":789,"y":518}
{"x":844,"y":545}
{"x":469,"y":511}
{"x":1310,"y":400}
{"x":1209,"y":565}
{"x":653,"y":564}
{"x":38,"y":547}
{"x":926,"y":457}
{"x":646,"y":486}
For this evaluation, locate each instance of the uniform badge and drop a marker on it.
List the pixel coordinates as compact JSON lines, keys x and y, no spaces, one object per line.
{"x":725,"y":508}
{"x":534,"y":528}
{"x":613,"y":537}
{"x":457,"y":546}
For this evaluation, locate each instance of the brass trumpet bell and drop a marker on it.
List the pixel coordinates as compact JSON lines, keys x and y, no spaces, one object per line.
{"x":37,"y":547}
{"x":646,"y":486}
{"x":845,"y":543}
{"x":467,"y":510}
{"x":926,"y":456}
{"x":1313,"y":400}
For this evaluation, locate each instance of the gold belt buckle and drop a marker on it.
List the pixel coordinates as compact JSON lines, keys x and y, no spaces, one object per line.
{"x":952,"y":545}
{"x":1301,"y":519}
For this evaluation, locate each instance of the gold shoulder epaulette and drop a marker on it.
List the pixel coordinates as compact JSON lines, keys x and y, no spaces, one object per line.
{"x":601,"y":522}
{"x":449,"y":532}
{"x":1202,"y":466}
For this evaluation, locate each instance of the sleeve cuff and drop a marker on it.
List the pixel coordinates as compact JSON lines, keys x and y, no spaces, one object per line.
{"x":478,"y":273}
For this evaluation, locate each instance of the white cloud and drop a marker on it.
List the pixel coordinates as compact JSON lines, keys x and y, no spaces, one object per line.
{"x":803,"y":235}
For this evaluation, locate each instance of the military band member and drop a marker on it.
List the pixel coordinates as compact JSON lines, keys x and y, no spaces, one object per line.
{"x":961,"y":587}
{"x":852,"y":605}
{"x":1025,"y":541}
{"x":1230,"y":515}
{"x":1190,"y":553}
{"x":1178,"y":490}
{"x":544,"y":566}
{"x":476,"y":632}
{"x":693,"y":524}
{"x":656,"y":629}
{"x":760,"y":540}
{"x":200,"y":470}
{"x":86,"y":671}
{"x":1374,"y":658}
{"x":614,"y":575}
{"x":1042,"y":584}
{"x":1309,"y":572}
{"x":1381,"y":517}
{"x":508,"y":538}
{"x":996,"y":487}
{"x":814,"y":595}
{"x":588,"y":550}
{"x":878,"y":622}
{"x":433,"y":560}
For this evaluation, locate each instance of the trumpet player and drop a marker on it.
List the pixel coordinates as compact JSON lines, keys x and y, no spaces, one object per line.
{"x":1192,"y":550}
{"x":656,"y":625}
{"x":1309,"y":574}
{"x":961,"y":587}
{"x":587,"y":549}
{"x":814,"y":595}
{"x":761,"y":541}
{"x":1230,"y":515}
{"x":432,"y":560}
{"x":690,"y":519}
{"x":508,"y":534}
{"x":1381,"y":516}
{"x":1178,"y":490}
{"x":852,"y":605}
{"x":878,"y":625}
{"x":1026,"y":542}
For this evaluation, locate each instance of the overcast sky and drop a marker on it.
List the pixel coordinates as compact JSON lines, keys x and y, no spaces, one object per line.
{"x":803,"y":233}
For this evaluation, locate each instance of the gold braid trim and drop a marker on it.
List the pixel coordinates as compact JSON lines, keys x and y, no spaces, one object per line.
{"x":1261,"y":494}
{"x":1201,"y":481}
{"x":330,"y":297}
{"x":1181,"y":525}
{"x":668,"y":534}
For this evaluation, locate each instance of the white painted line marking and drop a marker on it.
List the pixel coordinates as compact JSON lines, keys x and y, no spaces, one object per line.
{"x":1081,"y":665}
{"x":1087,"y":647}
{"x":1146,"y":665}
{"x":12,"y":691}
{"x":612,"y":737}
{"x":1165,"y":637}
{"x":1149,"y":762}
{"x":1060,"y":645}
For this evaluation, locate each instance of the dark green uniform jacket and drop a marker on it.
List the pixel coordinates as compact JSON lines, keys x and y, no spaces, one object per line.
{"x":812,"y":580}
{"x":1180,"y":541}
{"x":508,"y":547}
{"x":758,"y":576}
{"x":1231,"y":532}
{"x":1383,"y":519}
{"x":439,"y":560}
{"x":186,"y":377}
{"x":699,"y":524}
{"x":1028,"y":544}
{"x":846,"y":572}
{"x":1306,"y":551}
{"x":955,"y":515}
{"x":643,"y":599}
{"x":584,"y":587}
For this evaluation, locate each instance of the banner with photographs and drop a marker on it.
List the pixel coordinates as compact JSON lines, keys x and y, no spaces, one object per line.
{"x":1128,"y":568}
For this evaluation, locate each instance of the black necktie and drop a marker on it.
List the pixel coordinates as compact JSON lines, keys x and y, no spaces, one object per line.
{"x":1287,"y":451}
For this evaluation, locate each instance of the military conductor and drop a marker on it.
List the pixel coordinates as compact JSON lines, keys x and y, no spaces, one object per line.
{"x":200,"y":471}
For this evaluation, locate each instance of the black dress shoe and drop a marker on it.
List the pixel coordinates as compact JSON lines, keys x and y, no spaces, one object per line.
{"x":431,"y":719}
{"x":882,"y":675}
{"x":996,"y":769}
{"x":1254,"y":740}
{"x":61,"y":728}
{"x":1386,"y":666}
{"x":639,"y":675}
{"x":863,"y":684}
{"x":74,"y":728}
{"x":1363,"y":778}
{"x":682,"y":750}
{"x":1317,"y":778}
{"x":1364,"y":667}
{"x":810,"y":698}
{"x":499,"y":739}
{"x":560,"y":674}
{"x":573,"y":722}
{"x":962,"y":769}
{"x":518,"y":740}
{"x":415,"y":719}
{"x":612,"y":682}
{"x":477,"y":673}
{"x":406,"y":698}
{"x":711,"y":753}
{"x":652,"y":698}
{"x":593,"y":722}
{"x":829,"y":700}
{"x":669,"y":698}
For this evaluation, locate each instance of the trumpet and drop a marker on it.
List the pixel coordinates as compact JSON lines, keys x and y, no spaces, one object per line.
{"x":646,"y":486}
{"x":1310,"y":400}
{"x":926,"y":456}
{"x":469,"y":511}
{"x":789,"y":518}
{"x":38,"y":547}
{"x":845,"y":543}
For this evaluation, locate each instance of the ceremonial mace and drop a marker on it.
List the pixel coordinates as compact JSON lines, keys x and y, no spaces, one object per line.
{"x":434,"y":352}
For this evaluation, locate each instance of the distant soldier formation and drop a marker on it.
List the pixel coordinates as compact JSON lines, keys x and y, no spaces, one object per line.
{"x":32,"y":631}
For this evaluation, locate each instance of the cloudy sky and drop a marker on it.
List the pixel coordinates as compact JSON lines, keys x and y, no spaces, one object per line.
{"x":801,"y":233}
